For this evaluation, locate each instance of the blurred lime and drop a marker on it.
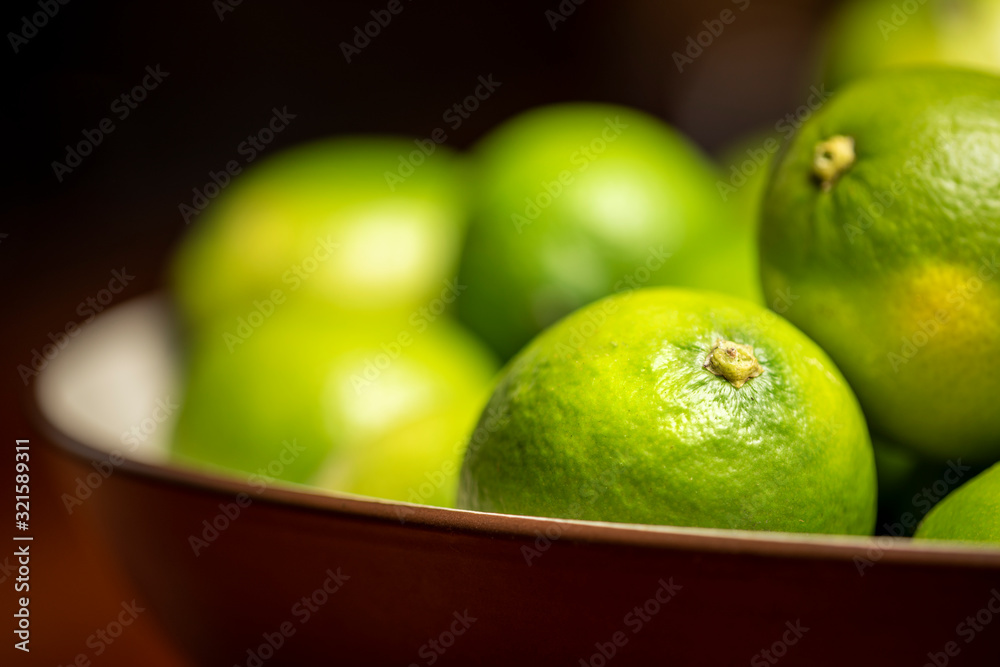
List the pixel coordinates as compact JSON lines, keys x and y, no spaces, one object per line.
{"x":333,"y":221}
{"x":880,"y":223}
{"x":970,"y":513}
{"x":304,"y":393}
{"x":866,"y":36}
{"x":677,"y":407}
{"x":576,"y":201}
{"x":745,"y":168}
{"x":415,"y":460}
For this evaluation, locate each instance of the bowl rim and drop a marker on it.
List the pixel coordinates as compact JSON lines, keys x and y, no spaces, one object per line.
{"x":872,"y":549}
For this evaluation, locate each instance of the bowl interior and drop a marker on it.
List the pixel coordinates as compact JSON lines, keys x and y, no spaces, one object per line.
{"x":117,"y":387}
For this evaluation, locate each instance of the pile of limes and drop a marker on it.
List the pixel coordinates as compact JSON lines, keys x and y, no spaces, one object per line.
{"x":334,"y":308}
{"x":676,"y":350}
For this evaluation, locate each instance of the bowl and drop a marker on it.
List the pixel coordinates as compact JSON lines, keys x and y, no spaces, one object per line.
{"x":245,"y":573}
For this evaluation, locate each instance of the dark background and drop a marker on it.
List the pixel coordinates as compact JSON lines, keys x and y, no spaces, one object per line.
{"x":119,"y":208}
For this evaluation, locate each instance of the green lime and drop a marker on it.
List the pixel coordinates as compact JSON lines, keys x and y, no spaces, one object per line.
{"x":970,"y":513}
{"x":866,"y":36}
{"x":304,"y":394}
{"x":745,"y":168}
{"x":678,"y":407}
{"x":333,"y":221}
{"x":415,"y":460}
{"x":880,"y":232}
{"x":577,"y":201}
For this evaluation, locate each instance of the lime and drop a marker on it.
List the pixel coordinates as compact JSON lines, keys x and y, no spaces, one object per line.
{"x":332,"y":221}
{"x":746,"y":165}
{"x":866,"y":36}
{"x":303,"y":394}
{"x":880,"y":231}
{"x":970,"y":513}
{"x":576,"y":201}
{"x":679,"y":407}
{"x":414,"y":460}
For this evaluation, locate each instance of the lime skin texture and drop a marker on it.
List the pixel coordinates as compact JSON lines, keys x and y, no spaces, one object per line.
{"x":612,"y":415}
{"x":882,"y":220}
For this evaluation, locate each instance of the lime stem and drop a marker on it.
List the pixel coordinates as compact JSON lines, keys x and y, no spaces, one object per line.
{"x":831,"y":158}
{"x":733,"y":361}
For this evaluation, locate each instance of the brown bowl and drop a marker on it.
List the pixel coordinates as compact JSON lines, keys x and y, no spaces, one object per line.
{"x":241,"y":574}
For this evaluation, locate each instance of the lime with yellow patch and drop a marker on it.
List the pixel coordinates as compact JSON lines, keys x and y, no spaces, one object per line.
{"x":677,"y":407}
{"x":971,"y":513}
{"x":884,"y":227}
